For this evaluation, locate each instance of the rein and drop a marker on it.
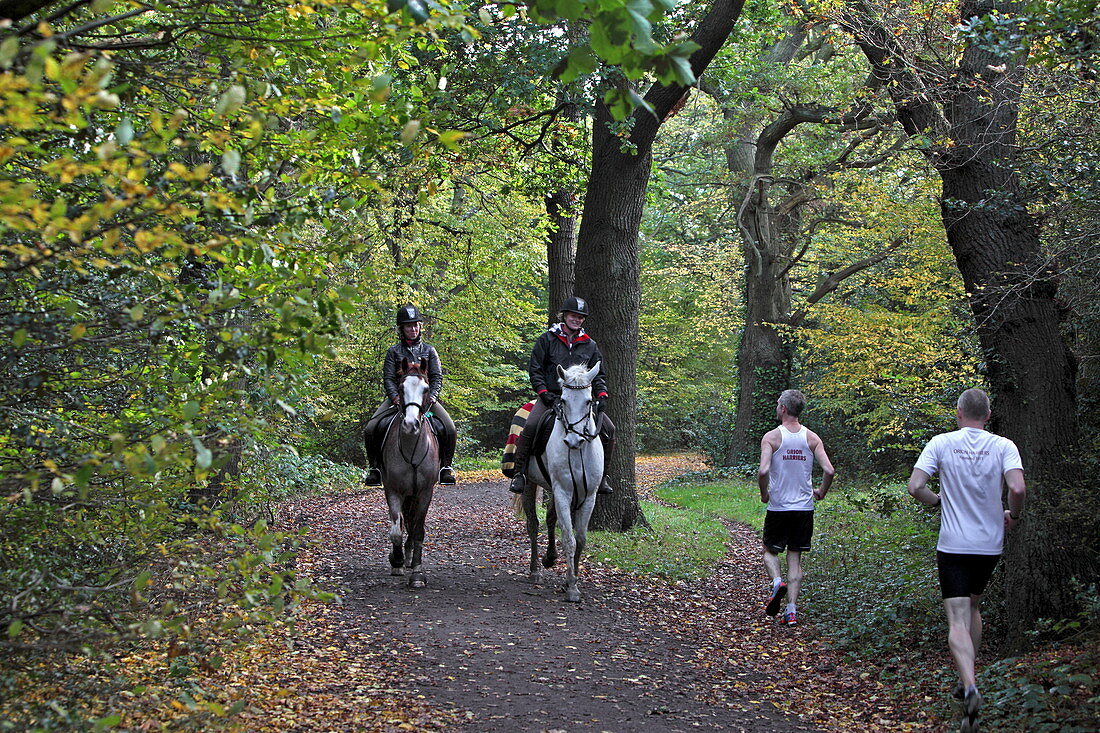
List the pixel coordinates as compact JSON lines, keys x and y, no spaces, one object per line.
{"x":571,"y":427}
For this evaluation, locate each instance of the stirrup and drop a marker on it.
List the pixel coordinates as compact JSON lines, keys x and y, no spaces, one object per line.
{"x":447,"y":476}
{"x":374,"y":477}
{"x":519,"y":483}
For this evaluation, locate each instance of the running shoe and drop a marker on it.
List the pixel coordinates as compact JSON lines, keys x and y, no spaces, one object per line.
{"x":972,"y":703}
{"x":777,"y":598}
{"x":790,"y":619}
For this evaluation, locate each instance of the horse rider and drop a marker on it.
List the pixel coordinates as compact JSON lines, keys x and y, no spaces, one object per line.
{"x":564,"y":344}
{"x":410,"y":345}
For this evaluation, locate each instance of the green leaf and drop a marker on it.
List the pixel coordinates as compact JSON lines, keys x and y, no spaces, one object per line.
{"x":231,"y":100}
{"x":231,"y":161}
{"x":106,"y":722}
{"x":8,"y":49}
{"x":684,"y":74}
{"x":14,"y":628}
{"x":580,"y":61}
{"x":451,"y":138}
{"x":124,"y":132}
{"x":190,"y":409}
{"x":142,"y":580}
{"x":203,"y":456}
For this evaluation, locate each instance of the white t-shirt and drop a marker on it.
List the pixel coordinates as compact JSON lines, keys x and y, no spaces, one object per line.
{"x":972,"y":463}
{"x":790,"y":481}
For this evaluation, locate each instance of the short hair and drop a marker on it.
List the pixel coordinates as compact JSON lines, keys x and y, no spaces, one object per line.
{"x":793,"y":400}
{"x":974,"y":404}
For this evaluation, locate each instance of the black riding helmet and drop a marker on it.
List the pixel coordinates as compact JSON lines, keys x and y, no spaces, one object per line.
{"x":408,"y":314}
{"x":575,"y":305}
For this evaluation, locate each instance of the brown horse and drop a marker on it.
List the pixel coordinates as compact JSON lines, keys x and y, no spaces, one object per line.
{"x":410,"y":458}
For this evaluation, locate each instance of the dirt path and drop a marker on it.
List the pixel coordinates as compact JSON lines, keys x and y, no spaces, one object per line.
{"x":496,"y":653}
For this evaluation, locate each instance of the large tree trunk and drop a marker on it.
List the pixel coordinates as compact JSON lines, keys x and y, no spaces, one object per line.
{"x":608,"y":273}
{"x":560,"y":247}
{"x":607,"y":267}
{"x":996,"y":244}
{"x":1030,"y":369}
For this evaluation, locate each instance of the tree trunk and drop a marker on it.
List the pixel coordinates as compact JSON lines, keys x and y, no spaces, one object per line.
{"x":996,"y":243}
{"x":608,"y":266}
{"x":608,"y":274}
{"x":560,"y":247}
{"x":1030,"y":369}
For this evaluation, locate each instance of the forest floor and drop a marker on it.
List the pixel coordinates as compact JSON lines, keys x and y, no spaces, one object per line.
{"x":482,"y":649}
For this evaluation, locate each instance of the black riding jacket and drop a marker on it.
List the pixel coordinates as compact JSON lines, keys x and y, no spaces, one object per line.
{"x":414,"y":351}
{"x":554,"y":348}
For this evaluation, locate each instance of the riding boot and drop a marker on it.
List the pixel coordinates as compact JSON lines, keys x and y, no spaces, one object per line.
{"x":519,"y":478}
{"x":447,"y":440}
{"x":374,"y":460}
{"x":607,"y":437}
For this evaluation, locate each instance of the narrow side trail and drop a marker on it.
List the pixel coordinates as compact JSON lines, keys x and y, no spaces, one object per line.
{"x":482,"y":649}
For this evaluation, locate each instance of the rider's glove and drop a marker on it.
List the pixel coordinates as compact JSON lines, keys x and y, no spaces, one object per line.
{"x":548,"y":398}
{"x":601,"y":402}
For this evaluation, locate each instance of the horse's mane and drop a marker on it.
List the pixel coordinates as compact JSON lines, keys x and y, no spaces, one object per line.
{"x":575,"y":374}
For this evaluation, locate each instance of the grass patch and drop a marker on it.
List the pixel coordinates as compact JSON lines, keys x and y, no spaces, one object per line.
{"x":732,"y":499}
{"x":681,"y":545}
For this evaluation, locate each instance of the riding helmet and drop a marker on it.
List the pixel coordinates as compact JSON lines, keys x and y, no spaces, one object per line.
{"x":408,"y":314}
{"x":575,"y":305}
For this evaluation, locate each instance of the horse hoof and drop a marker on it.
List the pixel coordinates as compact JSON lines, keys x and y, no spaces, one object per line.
{"x":572,"y":595}
{"x":418,"y":580}
{"x":397,"y":570}
{"x":534,"y":578}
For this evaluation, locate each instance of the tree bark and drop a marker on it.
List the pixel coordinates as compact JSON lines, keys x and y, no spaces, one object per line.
{"x":560,"y":247}
{"x":608,"y":266}
{"x":18,"y":9}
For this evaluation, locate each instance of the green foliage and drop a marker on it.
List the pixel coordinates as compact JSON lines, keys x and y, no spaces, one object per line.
{"x":164,"y":281}
{"x":875,"y":537}
{"x":275,"y":475}
{"x":1044,"y":694}
{"x":678,"y":545}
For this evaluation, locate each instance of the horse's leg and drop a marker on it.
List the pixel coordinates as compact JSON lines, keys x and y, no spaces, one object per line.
{"x":580,"y":528}
{"x":551,"y":557}
{"x":397,"y":557}
{"x":530,"y":497}
{"x":408,"y":511}
{"x":568,"y":544}
{"x":416,"y":524}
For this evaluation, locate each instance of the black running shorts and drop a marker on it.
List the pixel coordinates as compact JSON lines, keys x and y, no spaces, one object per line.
{"x":788,"y":529}
{"x":962,"y":576}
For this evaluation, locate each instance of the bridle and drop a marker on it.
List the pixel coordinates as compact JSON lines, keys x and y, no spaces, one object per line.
{"x":588,"y":418}
{"x":422,"y":410}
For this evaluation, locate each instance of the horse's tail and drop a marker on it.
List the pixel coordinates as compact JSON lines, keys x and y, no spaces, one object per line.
{"x":517,"y":500}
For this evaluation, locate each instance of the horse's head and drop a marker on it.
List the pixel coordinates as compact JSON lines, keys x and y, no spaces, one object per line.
{"x":577,"y":409}
{"x":413,"y":385}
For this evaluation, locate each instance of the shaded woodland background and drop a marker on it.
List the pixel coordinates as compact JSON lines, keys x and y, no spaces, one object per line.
{"x":209,"y":213}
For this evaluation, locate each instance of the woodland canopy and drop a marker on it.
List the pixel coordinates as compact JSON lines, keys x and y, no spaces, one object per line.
{"x":209,"y":212}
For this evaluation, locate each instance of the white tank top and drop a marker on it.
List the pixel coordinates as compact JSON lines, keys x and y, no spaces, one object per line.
{"x":790,"y":482}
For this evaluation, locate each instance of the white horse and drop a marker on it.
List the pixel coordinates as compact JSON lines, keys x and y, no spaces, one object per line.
{"x":572,"y":468}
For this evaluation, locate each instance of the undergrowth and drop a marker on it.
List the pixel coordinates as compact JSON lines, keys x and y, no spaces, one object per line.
{"x":679,"y":545}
